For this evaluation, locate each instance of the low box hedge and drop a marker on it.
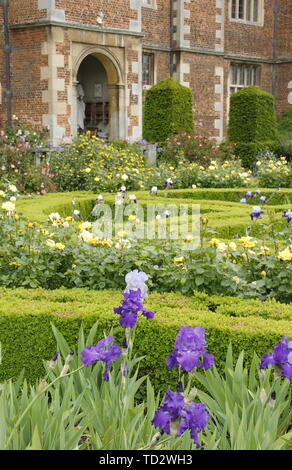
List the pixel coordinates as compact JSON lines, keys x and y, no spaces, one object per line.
{"x":228,"y":217}
{"x":27,"y":339}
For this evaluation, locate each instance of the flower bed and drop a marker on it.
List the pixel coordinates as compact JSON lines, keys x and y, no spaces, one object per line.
{"x":26,"y":317}
{"x":65,"y":252}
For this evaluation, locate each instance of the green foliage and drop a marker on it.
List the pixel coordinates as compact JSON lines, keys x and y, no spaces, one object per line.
{"x":252,"y":116}
{"x":54,"y":255}
{"x":91,"y":164}
{"x":273,"y":172}
{"x":17,"y":163}
{"x":225,"y":320}
{"x":196,"y":146}
{"x":252,"y":122}
{"x":284,"y":125}
{"x":22,"y":132}
{"x":38,"y":208}
{"x":72,"y":408}
{"x":60,"y":255}
{"x":284,"y":149}
{"x":243,"y":411}
{"x":31,"y":420}
{"x":167,"y":110}
{"x":247,"y":151}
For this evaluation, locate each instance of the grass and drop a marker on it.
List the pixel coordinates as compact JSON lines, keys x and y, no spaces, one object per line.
{"x":226,"y":215}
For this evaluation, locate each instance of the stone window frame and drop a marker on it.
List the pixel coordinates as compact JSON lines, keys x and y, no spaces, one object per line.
{"x":149,"y":4}
{"x":234,"y":12}
{"x":243,"y":79}
{"x":152,"y":72}
{"x":239,"y":86}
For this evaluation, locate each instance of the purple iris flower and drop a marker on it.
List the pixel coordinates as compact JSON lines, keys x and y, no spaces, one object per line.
{"x":243,"y":200}
{"x":248,"y":194}
{"x":281,"y":358}
{"x":168,"y":182}
{"x":195,"y":418}
{"x":170,"y":410}
{"x":256,"y":213}
{"x":103,"y":351}
{"x":257,"y":192}
{"x":263,"y":199}
{"x":131,"y":306}
{"x":287,"y":215}
{"x":189,"y":350}
{"x":143,"y":142}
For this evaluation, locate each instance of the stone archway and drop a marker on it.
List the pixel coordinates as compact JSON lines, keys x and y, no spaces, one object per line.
{"x":104,"y":92}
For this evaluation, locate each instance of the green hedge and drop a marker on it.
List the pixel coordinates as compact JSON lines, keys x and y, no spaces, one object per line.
{"x":252,"y":122}
{"x":247,"y":151}
{"x":252,"y":117}
{"x":37,"y":208}
{"x":228,"y":217}
{"x":167,"y":110}
{"x":284,"y":124}
{"x":27,"y":339}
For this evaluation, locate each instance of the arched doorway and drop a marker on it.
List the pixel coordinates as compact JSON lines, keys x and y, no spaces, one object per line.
{"x":93,"y":100}
{"x":100,"y":95}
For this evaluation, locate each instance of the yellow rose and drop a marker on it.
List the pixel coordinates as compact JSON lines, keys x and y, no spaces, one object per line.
{"x":84,"y":226}
{"x":286,"y":255}
{"x":8,"y":206}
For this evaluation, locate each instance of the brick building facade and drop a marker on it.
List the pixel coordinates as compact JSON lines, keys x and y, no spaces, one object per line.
{"x":116,"y":48}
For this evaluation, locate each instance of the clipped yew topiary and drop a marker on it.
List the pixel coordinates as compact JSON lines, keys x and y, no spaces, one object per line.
{"x":252,"y":122}
{"x":167,"y":110}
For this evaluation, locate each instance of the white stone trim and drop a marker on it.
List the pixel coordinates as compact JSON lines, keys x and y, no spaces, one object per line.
{"x":220,"y":31}
{"x":53,"y":13}
{"x":57,"y":133}
{"x":219,"y":104}
{"x":136,"y":25}
{"x":55,"y":84}
{"x":137,"y":90}
{"x":182,"y":29}
{"x":289,"y":97}
{"x":261,"y":14}
{"x":152,"y":4}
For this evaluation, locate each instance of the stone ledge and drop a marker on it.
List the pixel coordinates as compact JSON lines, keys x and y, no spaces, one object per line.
{"x":67,"y":24}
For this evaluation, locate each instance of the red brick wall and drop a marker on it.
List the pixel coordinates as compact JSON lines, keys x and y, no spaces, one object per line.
{"x":201,"y":79}
{"x":202,"y":23}
{"x":284,"y":72}
{"x":26,"y":61}
{"x":117,"y":14}
{"x":161,"y":59}
{"x":248,"y":39}
{"x":22,"y":11}
{"x":285,"y":29}
{"x":241,"y":40}
{"x":155,"y":24}
{"x":284,"y":51}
